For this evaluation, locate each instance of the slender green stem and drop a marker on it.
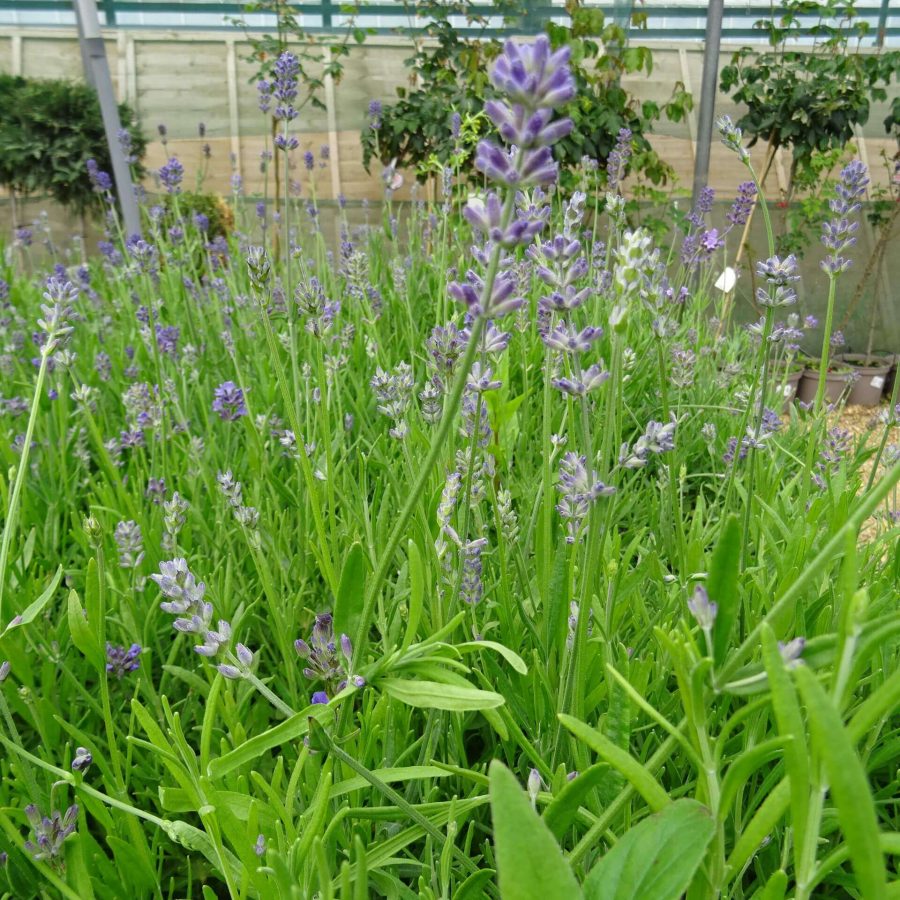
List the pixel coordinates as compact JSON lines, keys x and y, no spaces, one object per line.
{"x":9,"y":528}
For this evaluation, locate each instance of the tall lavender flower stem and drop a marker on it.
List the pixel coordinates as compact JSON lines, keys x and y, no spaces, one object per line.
{"x":9,"y":527}
{"x":732,"y":138}
{"x":306,"y":468}
{"x":825,"y":361}
{"x":438,"y":443}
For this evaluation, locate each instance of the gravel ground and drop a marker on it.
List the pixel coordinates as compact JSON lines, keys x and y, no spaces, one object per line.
{"x":867,"y":423}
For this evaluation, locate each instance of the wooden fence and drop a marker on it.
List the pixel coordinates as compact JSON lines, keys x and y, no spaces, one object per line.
{"x":180,"y":79}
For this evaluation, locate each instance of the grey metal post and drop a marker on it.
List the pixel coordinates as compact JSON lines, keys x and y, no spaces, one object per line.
{"x":708,"y":90}
{"x":93,"y":53}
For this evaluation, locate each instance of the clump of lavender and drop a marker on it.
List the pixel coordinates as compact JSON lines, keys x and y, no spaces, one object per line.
{"x":393,"y":392}
{"x":658,"y":437}
{"x":324,"y":661}
{"x":49,"y":832}
{"x":194,"y":614}
{"x":130,"y":544}
{"x":120,"y":662}
{"x":228,"y":402}
{"x":579,"y":489}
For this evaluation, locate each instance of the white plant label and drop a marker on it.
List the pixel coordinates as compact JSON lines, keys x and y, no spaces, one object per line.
{"x":788,"y":390}
{"x":877,"y":381}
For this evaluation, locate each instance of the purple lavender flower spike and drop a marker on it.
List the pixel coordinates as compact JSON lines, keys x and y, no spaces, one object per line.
{"x":49,"y":833}
{"x":228,"y":402}
{"x":579,"y":489}
{"x":743,"y":205}
{"x":171,"y":175}
{"x":120,"y":662}
{"x":617,"y":161}
{"x":531,"y":75}
{"x":375,"y":115}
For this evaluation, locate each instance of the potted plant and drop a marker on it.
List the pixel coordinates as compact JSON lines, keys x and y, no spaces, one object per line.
{"x":874,"y":368}
{"x":811,"y":101}
{"x":839,"y":381}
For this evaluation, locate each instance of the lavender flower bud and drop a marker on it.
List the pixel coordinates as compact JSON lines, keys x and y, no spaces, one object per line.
{"x":82,"y":760}
{"x":702,"y":609}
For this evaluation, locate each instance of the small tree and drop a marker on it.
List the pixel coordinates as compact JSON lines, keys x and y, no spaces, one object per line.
{"x":451,"y":76}
{"x":49,"y":129}
{"x":809,"y":100}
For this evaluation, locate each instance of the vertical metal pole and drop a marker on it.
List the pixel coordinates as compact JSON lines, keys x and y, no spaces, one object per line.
{"x":709,"y":87}
{"x":882,"y":24}
{"x":93,"y":54}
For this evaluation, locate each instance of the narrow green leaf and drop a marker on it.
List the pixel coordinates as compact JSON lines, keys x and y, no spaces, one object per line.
{"x":36,"y":607}
{"x":129,"y":861}
{"x":744,"y":766}
{"x":848,"y":783}
{"x":290,"y":730}
{"x":433,"y":695}
{"x":558,"y":607}
{"x":723,"y":584}
{"x":656,"y":859}
{"x":82,"y":635}
{"x":755,"y":831}
{"x":510,"y":656}
{"x":561,"y":811}
{"x":790,"y":724}
{"x":776,"y":887}
{"x":77,"y":874}
{"x":639,"y":778}
{"x":881,"y":703}
{"x":416,"y":595}
{"x":473,"y":888}
{"x":348,"y":604}
{"x":388,"y":776}
{"x":530,"y":865}
{"x":92,"y":594}
{"x":194,"y":839}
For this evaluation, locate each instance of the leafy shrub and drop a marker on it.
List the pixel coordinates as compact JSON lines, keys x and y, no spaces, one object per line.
{"x":49,"y":129}
{"x":452,"y":77}
{"x":811,"y":99}
{"x":189,"y":205}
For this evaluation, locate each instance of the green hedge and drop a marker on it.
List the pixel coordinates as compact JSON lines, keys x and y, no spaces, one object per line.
{"x":49,"y":129}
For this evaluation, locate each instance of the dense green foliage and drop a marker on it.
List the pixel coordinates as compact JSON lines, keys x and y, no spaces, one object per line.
{"x":811,"y":99}
{"x":477,"y":556}
{"x":450,"y":74}
{"x":742,"y":766}
{"x":49,"y":129}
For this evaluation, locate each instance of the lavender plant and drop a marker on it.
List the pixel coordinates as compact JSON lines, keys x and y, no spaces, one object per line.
{"x":467,"y":557}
